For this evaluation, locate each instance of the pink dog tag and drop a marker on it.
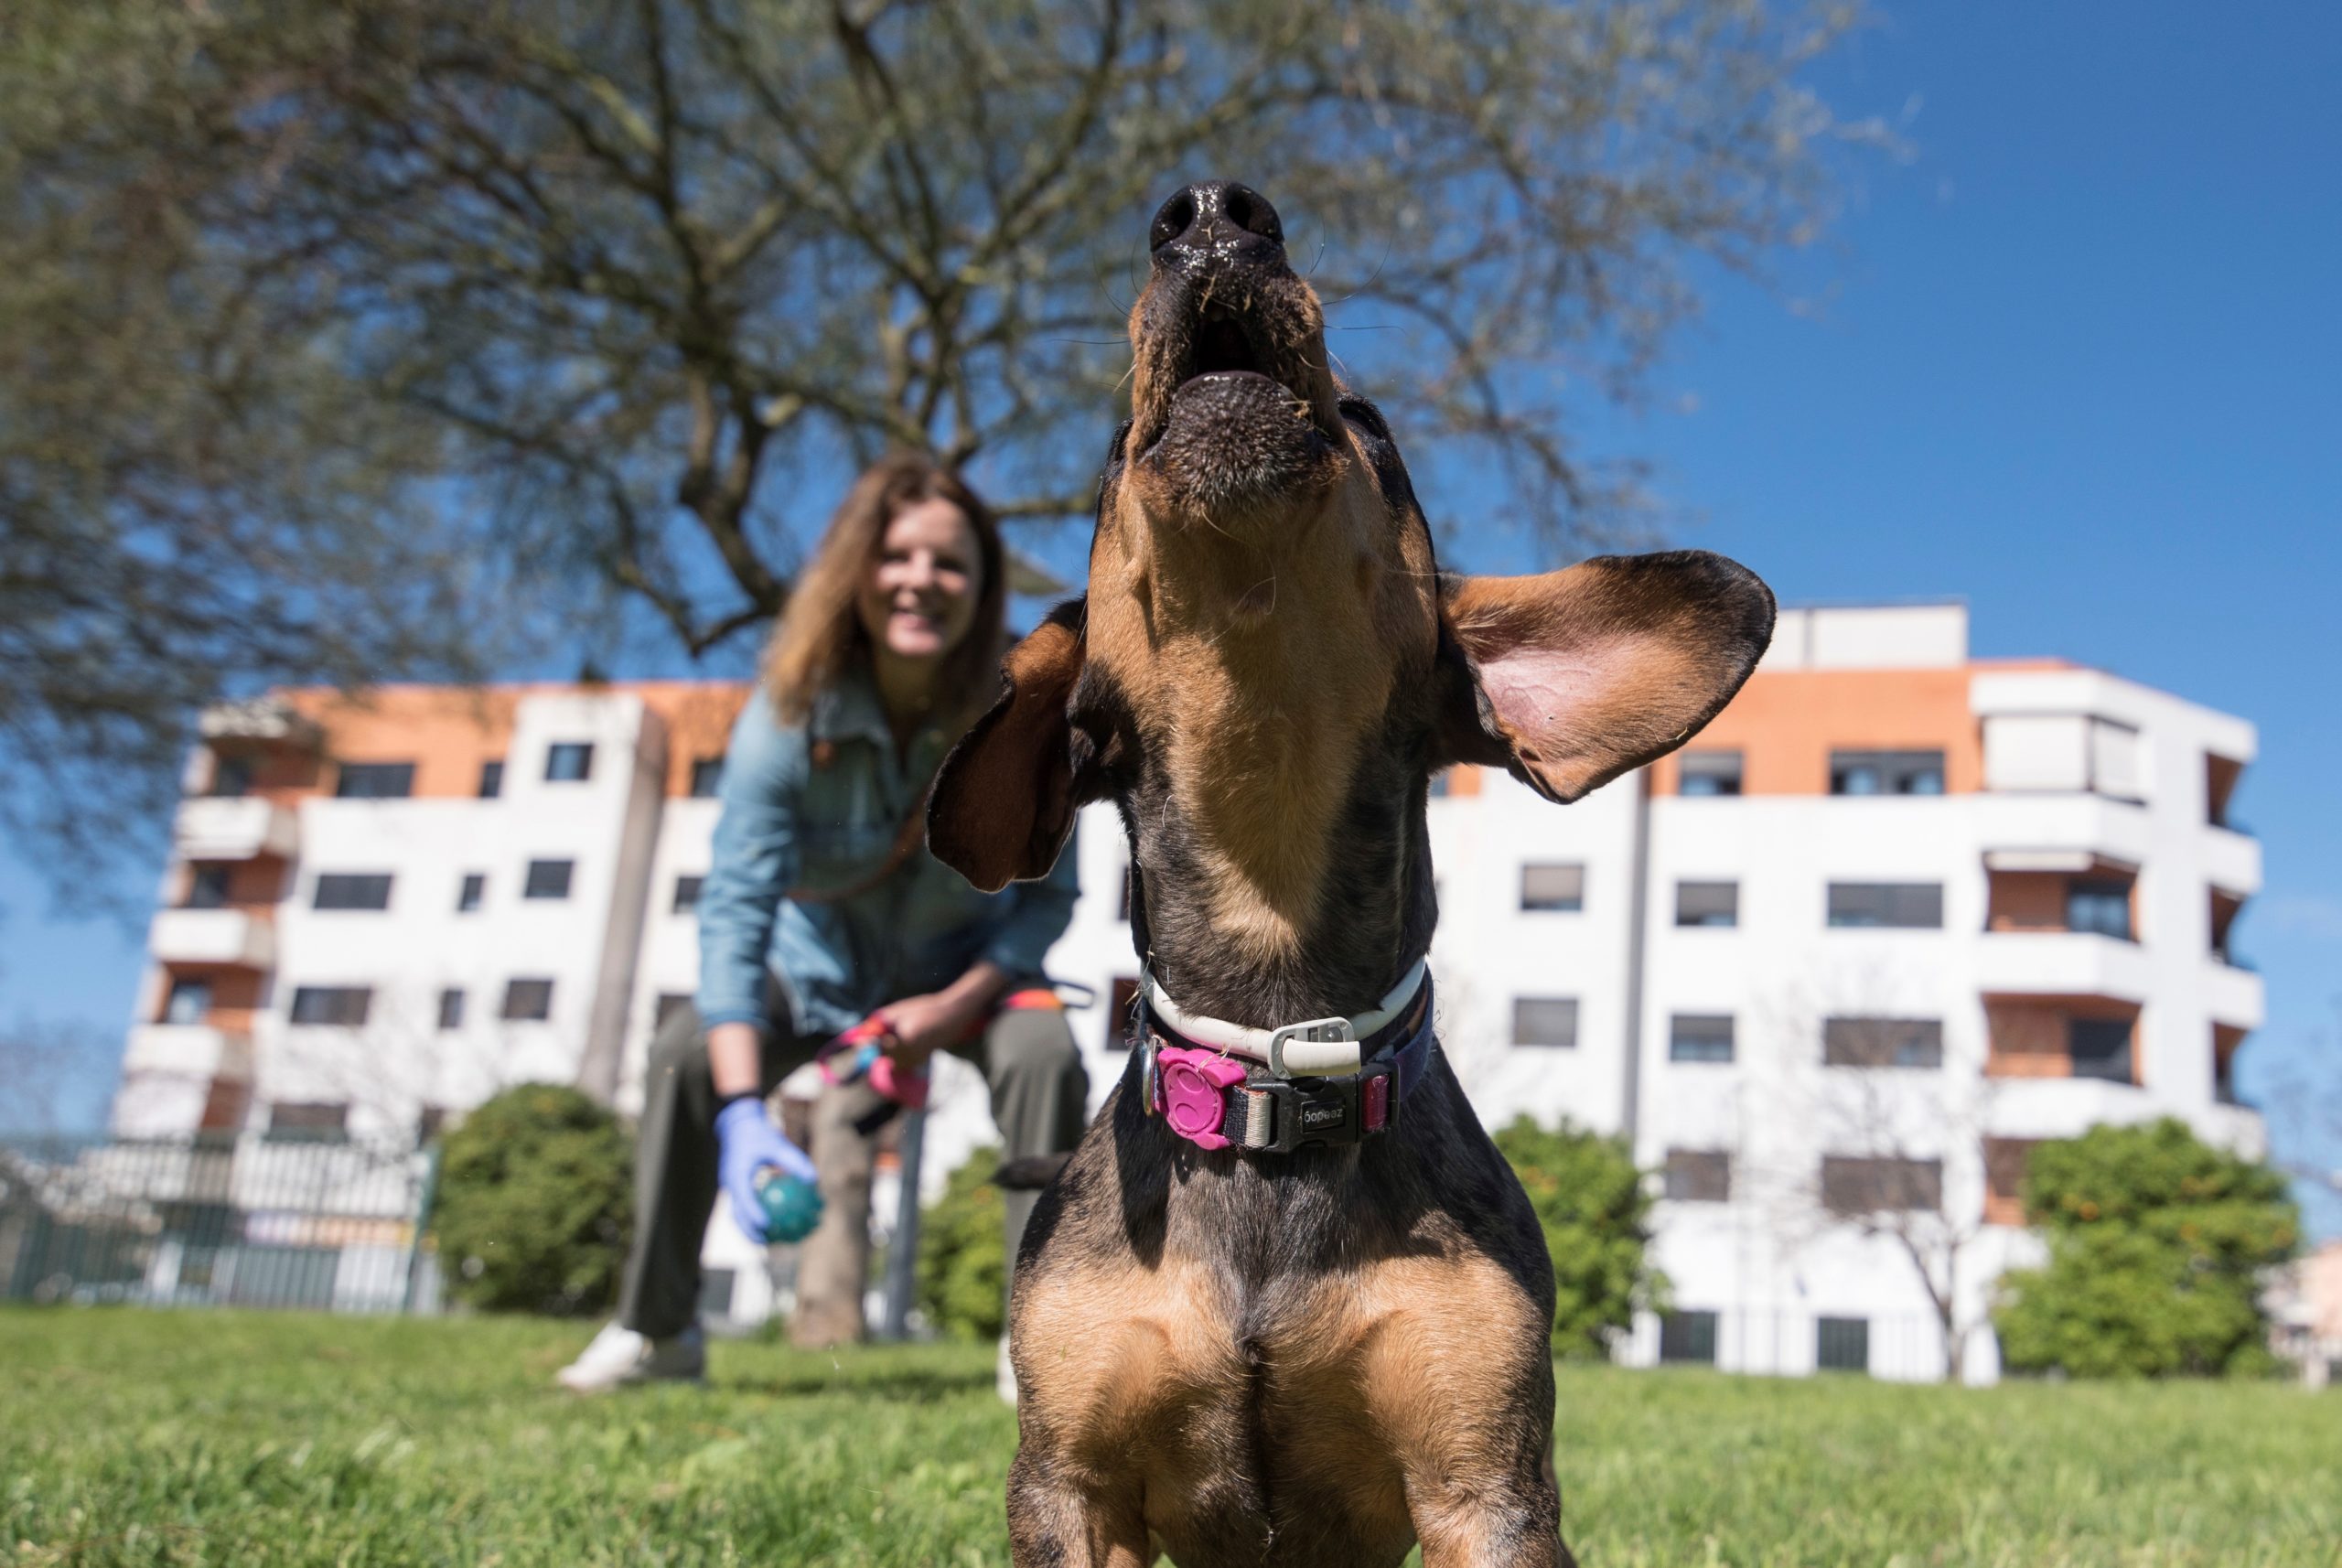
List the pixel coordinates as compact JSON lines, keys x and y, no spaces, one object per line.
{"x":1189,"y":1086}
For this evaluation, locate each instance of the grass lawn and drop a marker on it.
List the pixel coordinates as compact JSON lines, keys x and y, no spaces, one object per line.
{"x":143,"y":1437}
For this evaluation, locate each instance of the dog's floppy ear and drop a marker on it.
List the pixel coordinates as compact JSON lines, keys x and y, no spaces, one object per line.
{"x":1005,"y":799}
{"x":1574,"y":677}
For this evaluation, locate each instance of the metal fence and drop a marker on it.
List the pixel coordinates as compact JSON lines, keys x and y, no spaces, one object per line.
{"x":244,"y":1221}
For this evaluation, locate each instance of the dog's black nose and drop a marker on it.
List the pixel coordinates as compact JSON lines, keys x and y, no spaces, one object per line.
{"x":1217,"y":219}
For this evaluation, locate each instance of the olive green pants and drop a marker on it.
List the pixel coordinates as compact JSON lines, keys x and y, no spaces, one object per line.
{"x":1039,"y":1100}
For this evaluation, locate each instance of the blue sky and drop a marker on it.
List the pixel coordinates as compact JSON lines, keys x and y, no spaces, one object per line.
{"x":2076,"y":358}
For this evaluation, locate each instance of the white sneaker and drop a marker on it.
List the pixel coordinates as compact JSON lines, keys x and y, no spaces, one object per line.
{"x":619,"y":1357}
{"x":1004,"y":1377}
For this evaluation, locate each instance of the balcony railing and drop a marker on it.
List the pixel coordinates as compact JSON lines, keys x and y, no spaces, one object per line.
{"x":241,"y":827}
{"x":188,"y":1050}
{"x":236,"y":937}
{"x":2062,"y":964}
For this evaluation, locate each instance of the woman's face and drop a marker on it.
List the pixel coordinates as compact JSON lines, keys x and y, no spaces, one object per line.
{"x":918,"y":597}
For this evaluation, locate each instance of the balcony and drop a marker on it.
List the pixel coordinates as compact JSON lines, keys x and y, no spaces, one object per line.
{"x":188,"y":1050}
{"x":2060,"y":831}
{"x":241,"y":827}
{"x":2062,"y":963}
{"x":232,"y":937}
{"x":2232,"y":861}
{"x":2233,"y":996}
{"x":2030,"y":1109}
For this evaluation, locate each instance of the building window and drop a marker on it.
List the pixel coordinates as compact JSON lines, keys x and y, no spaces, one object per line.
{"x":1895,"y":906}
{"x":687,"y":893}
{"x":1863,"y":1184}
{"x":528,"y":1001}
{"x":352,"y":890}
{"x":1882,"y":1042}
{"x":346,"y":1005}
{"x":1698,"y":1176}
{"x":1707,"y":903}
{"x":188,"y":1002}
{"x":670,"y":1003}
{"x":2099,"y":904}
{"x":492,"y":779}
{"x":1886,"y":773}
{"x":297,"y":1121}
{"x":231,"y":777}
{"x":207,"y":886}
{"x":451,"y":1007}
{"x":1553,"y":888}
{"x":2006,"y":1163}
{"x":475,"y":887}
{"x":1700,"y":1037}
{"x":2101,"y":1048}
{"x":1438,"y":787}
{"x":1709,"y":772}
{"x":1688,"y":1337}
{"x":707,"y":777}
{"x":569,"y":762}
{"x":715,"y":1291}
{"x":375,"y":781}
{"x":1842,"y":1344}
{"x":547,"y":879}
{"x":1544,"y":1021}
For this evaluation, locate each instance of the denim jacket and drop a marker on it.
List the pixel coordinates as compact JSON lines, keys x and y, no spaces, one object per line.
{"x":817,"y":805}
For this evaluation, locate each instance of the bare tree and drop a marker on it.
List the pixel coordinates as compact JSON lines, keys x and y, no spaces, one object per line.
{"x":1919,"y":1191}
{"x":40,"y":1064}
{"x":1893,"y":1140}
{"x":2304,"y":1111}
{"x":328,"y":323}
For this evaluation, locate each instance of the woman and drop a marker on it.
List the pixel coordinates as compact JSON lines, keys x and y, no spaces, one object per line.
{"x":823,"y":907}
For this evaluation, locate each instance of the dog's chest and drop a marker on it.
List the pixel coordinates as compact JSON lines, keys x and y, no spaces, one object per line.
{"x":1301,"y":1402}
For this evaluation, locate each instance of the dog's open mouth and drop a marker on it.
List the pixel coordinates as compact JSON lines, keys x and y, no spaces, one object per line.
{"x":1220,"y":345}
{"x":1232,"y":393}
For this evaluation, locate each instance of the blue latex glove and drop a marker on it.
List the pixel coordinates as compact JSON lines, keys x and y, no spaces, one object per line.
{"x":747,"y":1143}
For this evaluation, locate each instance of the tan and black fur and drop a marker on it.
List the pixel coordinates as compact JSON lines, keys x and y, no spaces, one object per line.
{"x":1317,"y":1358}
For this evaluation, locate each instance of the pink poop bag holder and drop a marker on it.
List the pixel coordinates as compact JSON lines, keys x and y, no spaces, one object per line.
{"x":860,"y":1053}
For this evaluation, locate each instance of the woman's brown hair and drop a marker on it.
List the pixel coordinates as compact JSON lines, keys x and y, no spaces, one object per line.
{"x":820,"y":631}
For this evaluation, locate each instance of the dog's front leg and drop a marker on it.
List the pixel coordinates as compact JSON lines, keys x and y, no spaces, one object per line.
{"x":1055,"y":1523}
{"x":1509,"y":1531}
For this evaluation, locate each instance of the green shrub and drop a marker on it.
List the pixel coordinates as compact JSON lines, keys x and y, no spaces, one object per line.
{"x":536,"y":1189}
{"x":2156,"y":1242}
{"x":1591,"y":1201}
{"x":962,"y":1259}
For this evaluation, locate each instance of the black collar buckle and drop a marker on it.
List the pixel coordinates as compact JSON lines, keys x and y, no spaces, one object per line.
{"x":1327,"y":1110}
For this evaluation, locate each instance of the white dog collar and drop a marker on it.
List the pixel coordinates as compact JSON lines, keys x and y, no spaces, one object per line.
{"x":1319,"y":1048}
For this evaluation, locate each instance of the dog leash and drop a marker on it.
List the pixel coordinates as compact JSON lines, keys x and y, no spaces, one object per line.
{"x":1328,"y":1080}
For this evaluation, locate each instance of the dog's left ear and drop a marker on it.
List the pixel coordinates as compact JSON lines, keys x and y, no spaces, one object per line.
{"x":1005,"y":799}
{"x":1574,"y":677}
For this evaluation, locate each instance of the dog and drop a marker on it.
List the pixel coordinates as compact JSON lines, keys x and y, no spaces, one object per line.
{"x":1285,"y":1302}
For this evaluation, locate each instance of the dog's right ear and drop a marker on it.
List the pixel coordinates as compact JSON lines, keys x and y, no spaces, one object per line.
{"x":1005,"y":800}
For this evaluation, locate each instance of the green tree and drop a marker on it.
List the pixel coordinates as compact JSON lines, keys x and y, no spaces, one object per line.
{"x":2157,"y":1245}
{"x":290,"y":288}
{"x":1596,"y":1211}
{"x":963,"y":1253}
{"x":536,"y":1190}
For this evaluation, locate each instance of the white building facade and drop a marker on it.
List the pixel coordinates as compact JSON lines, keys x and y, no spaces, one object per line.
{"x":1893,"y":917}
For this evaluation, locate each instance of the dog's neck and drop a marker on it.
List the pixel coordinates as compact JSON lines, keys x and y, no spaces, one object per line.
{"x":1280,"y":867}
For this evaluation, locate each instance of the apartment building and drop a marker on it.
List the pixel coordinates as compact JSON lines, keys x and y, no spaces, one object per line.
{"x":1894,"y":917}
